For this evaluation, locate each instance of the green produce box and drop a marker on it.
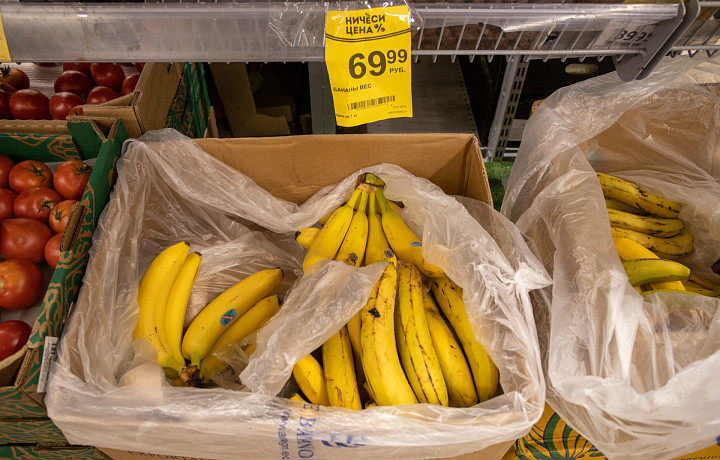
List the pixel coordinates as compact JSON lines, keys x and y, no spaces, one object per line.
{"x":51,"y":452}
{"x":23,"y":376}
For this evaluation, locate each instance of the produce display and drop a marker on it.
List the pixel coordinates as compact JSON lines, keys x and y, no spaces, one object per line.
{"x":77,"y":84}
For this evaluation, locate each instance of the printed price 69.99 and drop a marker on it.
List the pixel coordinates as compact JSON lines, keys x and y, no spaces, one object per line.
{"x":378,"y":63}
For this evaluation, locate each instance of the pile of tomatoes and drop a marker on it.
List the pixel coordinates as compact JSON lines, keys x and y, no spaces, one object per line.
{"x":35,"y":205}
{"x":78,"y":84}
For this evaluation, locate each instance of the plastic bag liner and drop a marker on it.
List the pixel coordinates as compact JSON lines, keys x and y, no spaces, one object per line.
{"x":107,"y":391}
{"x":636,"y":377}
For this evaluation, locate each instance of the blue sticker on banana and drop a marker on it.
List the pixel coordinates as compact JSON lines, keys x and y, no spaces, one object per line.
{"x":227,"y":317}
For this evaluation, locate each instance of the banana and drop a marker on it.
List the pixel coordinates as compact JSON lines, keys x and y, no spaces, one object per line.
{"x":378,"y":248}
{"x":706,"y":283}
{"x":414,"y":343}
{"x":245,"y":325}
{"x":673,"y":246}
{"x":298,"y":398}
{"x":339,"y":366}
{"x":177,"y":303}
{"x":643,"y":271}
{"x":632,"y":194}
{"x":306,"y":236}
{"x":152,"y":298}
{"x":485,"y":374}
{"x":383,"y":372}
{"x":352,"y":249}
{"x":656,"y":226}
{"x":455,"y":369}
{"x":328,"y":240}
{"x":629,"y":250}
{"x":612,"y":203}
{"x":353,"y":329}
{"x":219,"y":314}
{"x":406,"y":245}
{"x":310,"y":379}
{"x":675,"y":291}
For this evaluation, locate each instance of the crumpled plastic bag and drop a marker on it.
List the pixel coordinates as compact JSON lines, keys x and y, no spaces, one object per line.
{"x":169,"y":190}
{"x":635,"y":377}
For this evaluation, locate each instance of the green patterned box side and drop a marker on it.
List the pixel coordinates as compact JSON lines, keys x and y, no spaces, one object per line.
{"x":190,"y":108}
{"x":41,"y":147}
{"x":67,"y":452}
{"x":29,"y":432}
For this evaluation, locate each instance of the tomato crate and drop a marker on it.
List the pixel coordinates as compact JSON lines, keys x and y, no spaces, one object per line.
{"x":23,"y":376}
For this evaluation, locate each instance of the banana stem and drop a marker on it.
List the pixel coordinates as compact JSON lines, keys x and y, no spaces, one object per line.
{"x":384,"y":206}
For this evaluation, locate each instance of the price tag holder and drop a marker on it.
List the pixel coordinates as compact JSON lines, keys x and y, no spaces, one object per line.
{"x":367,"y":53}
{"x":633,"y":35}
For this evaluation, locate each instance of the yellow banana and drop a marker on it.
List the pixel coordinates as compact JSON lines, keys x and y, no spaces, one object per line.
{"x":177,"y":303}
{"x":339,"y":366}
{"x":328,"y":240}
{"x":378,"y":248}
{"x":353,"y":329}
{"x":656,"y":226}
{"x":612,"y":203}
{"x":675,"y":246}
{"x":406,"y":245}
{"x":152,"y":299}
{"x":309,"y":376}
{"x":383,"y":372}
{"x":485,"y":374}
{"x":675,"y":291}
{"x":306,"y":236}
{"x":219,"y":314}
{"x":706,"y":283}
{"x":414,"y":342}
{"x":245,"y":325}
{"x":298,"y":398}
{"x":632,"y":194}
{"x":352,"y":249}
{"x":630,"y":250}
{"x":250,"y":349}
{"x":455,"y":369}
{"x":643,"y":271}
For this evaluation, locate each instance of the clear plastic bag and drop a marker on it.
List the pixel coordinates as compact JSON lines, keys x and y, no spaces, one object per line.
{"x":634,"y":376}
{"x":105,"y":392}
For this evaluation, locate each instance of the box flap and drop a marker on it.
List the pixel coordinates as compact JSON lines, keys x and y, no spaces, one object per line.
{"x":34,"y":126}
{"x":156,"y":90}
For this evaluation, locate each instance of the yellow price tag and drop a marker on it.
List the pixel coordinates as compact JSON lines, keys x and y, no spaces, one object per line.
{"x":367,"y":53}
{"x":4,"y":51}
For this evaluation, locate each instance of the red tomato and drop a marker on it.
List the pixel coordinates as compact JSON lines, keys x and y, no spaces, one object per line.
{"x":28,"y":174}
{"x":28,"y":104}
{"x":62,"y":103}
{"x":107,"y":74}
{"x":15,"y":77}
{"x":83,"y":67}
{"x":6,"y":91}
{"x":36,"y":203}
{"x":139,"y":66}
{"x":73,"y":81}
{"x":129,"y":84}
{"x":101,"y":94}
{"x":60,"y":214}
{"x":7,"y":197}
{"x":70,"y":179}
{"x":21,"y":284}
{"x":22,"y":238}
{"x":14,"y":335}
{"x":6,"y":164}
{"x":52,"y":251}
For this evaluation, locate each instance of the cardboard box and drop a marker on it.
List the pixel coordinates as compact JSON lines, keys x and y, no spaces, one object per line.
{"x":51,"y":451}
{"x":552,"y":438}
{"x":23,"y":418}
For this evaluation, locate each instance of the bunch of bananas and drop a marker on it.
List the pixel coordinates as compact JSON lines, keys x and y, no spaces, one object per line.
{"x":648,"y":234}
{"x":233,"y":315}
{"x":400,"y":348}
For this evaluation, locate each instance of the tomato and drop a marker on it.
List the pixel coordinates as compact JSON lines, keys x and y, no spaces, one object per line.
{"x":83,"y":67}
{"x":7,"y":197}
{"x":70,"y":179}
{"x":60,"y":214}
{"x":6,"y":91}
{"x":129,"y":84}
{"x":61,"y":104}
{"x":6,"y":164}
{"x":28,"y":174}
{"x":107,"y":74}
{"x":21,"y":284}
{"x":14,"y":334}
{"x":23,"y":238}
{"x":15,"y":77}
{"x":73,"y":81}
{"x":101,"y":94}
{"x":139,"y":66}
{"x":28,"y":104}
{"x":52,"y":250}
{"x":36,"y":203}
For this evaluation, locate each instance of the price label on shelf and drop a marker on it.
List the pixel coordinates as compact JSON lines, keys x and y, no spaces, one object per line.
{"x":4,"y":50}
{"x":633,"y":35}
{"x":367,"y":53}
